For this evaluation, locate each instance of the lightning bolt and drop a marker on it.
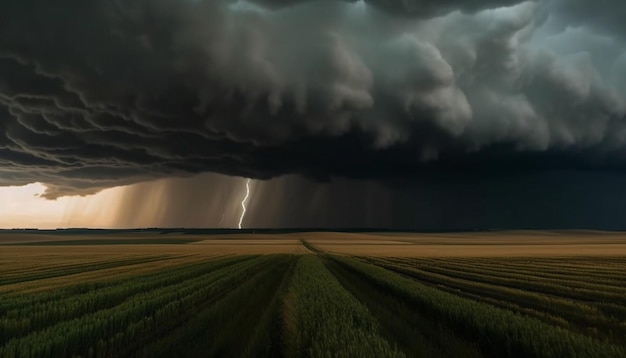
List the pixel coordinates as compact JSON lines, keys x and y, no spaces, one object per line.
{"x":243,"y":202}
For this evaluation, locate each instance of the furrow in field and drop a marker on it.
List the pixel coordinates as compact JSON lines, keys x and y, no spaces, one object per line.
{"x":73,"y":269}
{"x":95,"y":277}
{"x":565,"y":265}
{"x":31,"y":314}
{"x":612,"y":311}
{"x":582,"y":260}
{"x":598,"y":263}
{"x":138,"y":317}
{"x":578,"y":314}
{"x":415,"y":334}
{"x":247,"y":317}
{"x":563,"y":288}
{"x":614,"y":280}
{"x":46,"y":263}
{"x":499,"y":332}
{"x":321,"y":318}
{"x":59,"y":289}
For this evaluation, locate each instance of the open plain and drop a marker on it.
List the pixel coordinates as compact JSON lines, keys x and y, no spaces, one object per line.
{"x":478,"y":294}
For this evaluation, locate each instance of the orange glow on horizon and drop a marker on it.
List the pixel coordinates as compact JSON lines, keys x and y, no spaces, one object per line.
{"x":21,"y":207}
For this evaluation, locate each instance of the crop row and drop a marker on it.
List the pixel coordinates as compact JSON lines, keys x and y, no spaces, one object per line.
{"x":607,"y":298}
{"x":30,"y":314}
{"x":566,"y":276}
{"x":243,"y":323}
{"x":63,"y":283}
{"x":49,"y":264}
{"x":73,"y":269}
{"x":58,"y":289}
{"x":560,"y":259}
{"x":604,"y":262}
{"x":318,"y":306}
{"x":412,"y":330}
{"x":25,"y":264}
{"x":137,"y":319}
{"x":608,"y":275}
{"x":574,"y":290}
{"x":499,"y":332}
{"x":322,"y":319}
{"x":579,"y":314}
{"x":565,"y":266}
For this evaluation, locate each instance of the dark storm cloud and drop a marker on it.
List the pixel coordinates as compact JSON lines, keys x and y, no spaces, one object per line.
{"x":410,"y":8}
{"x":605,"y":15}
{"x":104,"y":93}
{"x":531,"y":200}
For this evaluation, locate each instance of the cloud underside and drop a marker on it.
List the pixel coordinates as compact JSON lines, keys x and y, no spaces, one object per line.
{"x":107,"y":93}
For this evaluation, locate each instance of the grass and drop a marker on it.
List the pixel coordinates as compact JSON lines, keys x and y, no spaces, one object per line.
{"x":499,"y":332}
{"x":322,"y":319}
{"x":410,"y":329}
{"x":292,"y":298}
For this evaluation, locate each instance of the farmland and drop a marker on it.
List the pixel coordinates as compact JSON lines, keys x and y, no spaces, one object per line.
{"x":313,"y":295}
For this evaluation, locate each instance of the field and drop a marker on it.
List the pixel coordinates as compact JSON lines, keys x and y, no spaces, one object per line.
{"x":507,"y":294}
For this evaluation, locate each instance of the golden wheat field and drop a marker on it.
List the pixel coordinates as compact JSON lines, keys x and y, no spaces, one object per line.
{"x":505,"y":243}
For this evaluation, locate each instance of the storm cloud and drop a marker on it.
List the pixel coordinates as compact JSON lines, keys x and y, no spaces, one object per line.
{"x":106,"y":93}
{"x":537,"y":200}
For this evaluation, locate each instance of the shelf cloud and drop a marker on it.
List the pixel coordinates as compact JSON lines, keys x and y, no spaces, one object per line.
{"x":107,"y":93}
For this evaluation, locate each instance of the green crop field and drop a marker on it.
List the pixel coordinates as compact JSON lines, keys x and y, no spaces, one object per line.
{"x":307,"y":303}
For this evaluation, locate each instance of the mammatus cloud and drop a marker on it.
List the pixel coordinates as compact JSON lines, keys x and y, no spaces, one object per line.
{"x":112,"y":92}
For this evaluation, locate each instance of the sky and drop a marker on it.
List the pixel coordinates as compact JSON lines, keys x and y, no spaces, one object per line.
{"x":413,"y":114}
